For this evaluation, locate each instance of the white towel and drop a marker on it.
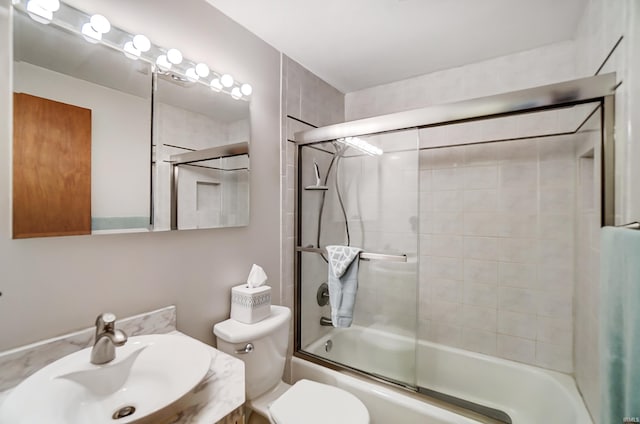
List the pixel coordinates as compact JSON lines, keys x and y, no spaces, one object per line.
{"x":343,"y":283}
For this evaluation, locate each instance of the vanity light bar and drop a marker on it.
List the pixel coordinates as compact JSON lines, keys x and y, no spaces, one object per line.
{"x":98,"y":29}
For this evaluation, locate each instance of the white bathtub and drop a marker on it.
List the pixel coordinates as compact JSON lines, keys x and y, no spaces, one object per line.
{"x":529,"y":395}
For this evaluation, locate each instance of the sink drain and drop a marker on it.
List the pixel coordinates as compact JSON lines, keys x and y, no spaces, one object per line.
{"x":125,"y":411}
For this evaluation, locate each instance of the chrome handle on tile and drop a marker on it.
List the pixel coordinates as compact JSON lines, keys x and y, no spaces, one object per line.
{"x":247,"y":349}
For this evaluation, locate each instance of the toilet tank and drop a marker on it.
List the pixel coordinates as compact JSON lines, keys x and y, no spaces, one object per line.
{"x":265,"y":363}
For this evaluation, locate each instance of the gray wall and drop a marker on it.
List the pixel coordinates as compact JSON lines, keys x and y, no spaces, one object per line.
{"x":54,"y":285}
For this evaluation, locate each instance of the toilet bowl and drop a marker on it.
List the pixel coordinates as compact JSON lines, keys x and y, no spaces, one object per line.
{"x":263,"y":348}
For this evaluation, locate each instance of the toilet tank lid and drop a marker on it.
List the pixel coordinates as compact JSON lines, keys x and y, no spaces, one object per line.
{"x":233,"y":331}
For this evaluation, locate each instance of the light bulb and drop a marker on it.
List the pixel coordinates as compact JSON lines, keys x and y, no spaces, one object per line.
{"x":38,"y":13}
{"x":202,"y":70}
{"x":163,"y":63}
{"x":130,"y":51}
{"x":100,"y":24}
{"x":90,"y":34}
{"x":174,"y":56}
{"x":235,"y":93}
{"x":48,"y":5}
{"x":192,"y":75}
{"x":141,"y":43}
{"x":226,"y":80}
{"x":215,"y":84}
{"x":246,"y":89}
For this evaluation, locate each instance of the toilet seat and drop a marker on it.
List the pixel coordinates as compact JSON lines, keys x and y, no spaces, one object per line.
{"x":315,"y":403}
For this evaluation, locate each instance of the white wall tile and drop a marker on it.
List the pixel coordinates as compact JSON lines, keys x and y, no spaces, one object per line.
{"x":481,"y":247}
{"x":479,"y":317}
{"x":480,"y":177}
{"x":481,"y":224}
{"x":447,"y":179}
{"x":478,"y":271}
{"x":555,"y":331}
{"x":518,"y":300}
{"x":512,"y":274}
{"x":516,"y":349}
{"x":523,"y":250}
{"x":446,"y":245}
{"x":485,"y":295}
{"x":517,"y":324}
{"x":519,"y":175}
{"x":556,"y":201}
{"x":446,"y":290}
{"x":480,"y":200}
{"x":448,"y":201}
{"x":447,"y":334}
{"x":479,"y":341}
{"x":447,"y":268}
{"x":554,"y":357}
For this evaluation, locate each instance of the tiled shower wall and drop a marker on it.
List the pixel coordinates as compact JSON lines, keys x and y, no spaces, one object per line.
{"x":496,"y":244}
{"x":307,"y":102}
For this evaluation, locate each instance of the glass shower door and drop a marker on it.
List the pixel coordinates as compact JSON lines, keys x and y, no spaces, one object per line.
{"x":366,"y":197}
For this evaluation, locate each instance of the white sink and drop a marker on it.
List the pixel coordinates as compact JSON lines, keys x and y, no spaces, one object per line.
{"x":148,"y":374}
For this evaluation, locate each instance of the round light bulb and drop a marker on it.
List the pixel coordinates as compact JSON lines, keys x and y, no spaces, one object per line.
{"x":130,"y":51}
{"x":235,"y":93}
{"x":192,"y":75}
{"x":246,"y":89}
{"x":39,"y":13}
{"x":202,"y":70}
{"x":163,"y":63}
{"x":215,"y":84}
{"x":100,"y":24}
{"x":226,"y":80}
{"x":141,"y":43}
{"x":90,"y":34}
{"x":174,"y":56}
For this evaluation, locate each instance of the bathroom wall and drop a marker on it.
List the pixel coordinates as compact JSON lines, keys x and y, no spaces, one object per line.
{"x":56,"y":285}
{"x":307,"y":102}
{"x":113,"y":194}
{"x":544,"y":65}
{"x":496,"y":249}
{"x":606,"y":27}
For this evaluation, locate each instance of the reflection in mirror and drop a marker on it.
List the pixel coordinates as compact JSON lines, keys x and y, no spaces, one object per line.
{"x":68,"y":180}
{"x":201,"y":156}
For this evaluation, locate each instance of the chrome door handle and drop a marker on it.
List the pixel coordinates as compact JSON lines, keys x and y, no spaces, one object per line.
{"x":247,"y":349}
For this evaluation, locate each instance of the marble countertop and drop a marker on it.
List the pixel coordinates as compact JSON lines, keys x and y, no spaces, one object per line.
{"x":220,"y":393}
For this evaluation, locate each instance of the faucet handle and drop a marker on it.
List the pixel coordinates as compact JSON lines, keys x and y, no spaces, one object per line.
{"x":105,"y":321}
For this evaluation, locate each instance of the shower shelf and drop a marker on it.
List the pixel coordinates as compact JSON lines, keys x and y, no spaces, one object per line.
{"x":366,"y":256}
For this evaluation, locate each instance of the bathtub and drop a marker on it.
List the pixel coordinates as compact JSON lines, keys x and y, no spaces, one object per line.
{"x":529,"y":395}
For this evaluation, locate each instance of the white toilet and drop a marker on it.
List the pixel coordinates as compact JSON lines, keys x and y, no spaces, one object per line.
{"x":263,"y":348}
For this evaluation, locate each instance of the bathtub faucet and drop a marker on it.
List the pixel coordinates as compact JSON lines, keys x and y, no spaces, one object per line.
{"x":326,"y":322}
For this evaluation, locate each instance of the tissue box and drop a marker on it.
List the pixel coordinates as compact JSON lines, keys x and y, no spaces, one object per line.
{"x":250,"y":304}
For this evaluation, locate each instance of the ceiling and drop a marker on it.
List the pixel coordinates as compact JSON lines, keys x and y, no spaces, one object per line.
{"x":355,"y":44}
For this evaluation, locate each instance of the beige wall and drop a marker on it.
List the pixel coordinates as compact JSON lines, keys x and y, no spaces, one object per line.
{"x":55,"y":285}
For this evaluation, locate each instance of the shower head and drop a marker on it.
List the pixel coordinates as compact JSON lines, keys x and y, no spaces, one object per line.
{"x":318,"y":185}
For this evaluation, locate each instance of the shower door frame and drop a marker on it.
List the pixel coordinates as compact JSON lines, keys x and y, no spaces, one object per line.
{"x":598,"y":89}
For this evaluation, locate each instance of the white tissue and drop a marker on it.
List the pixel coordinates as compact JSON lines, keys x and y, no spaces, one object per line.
{"x":257,"y":276}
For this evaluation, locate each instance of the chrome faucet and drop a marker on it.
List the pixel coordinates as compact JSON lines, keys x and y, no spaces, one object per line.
{"x":107,"y":338}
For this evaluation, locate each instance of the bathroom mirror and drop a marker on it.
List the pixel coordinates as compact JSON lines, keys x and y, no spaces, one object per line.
{"x":82,"y":135}
{"x":104,"y":143}
{"x":201,"y":156}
